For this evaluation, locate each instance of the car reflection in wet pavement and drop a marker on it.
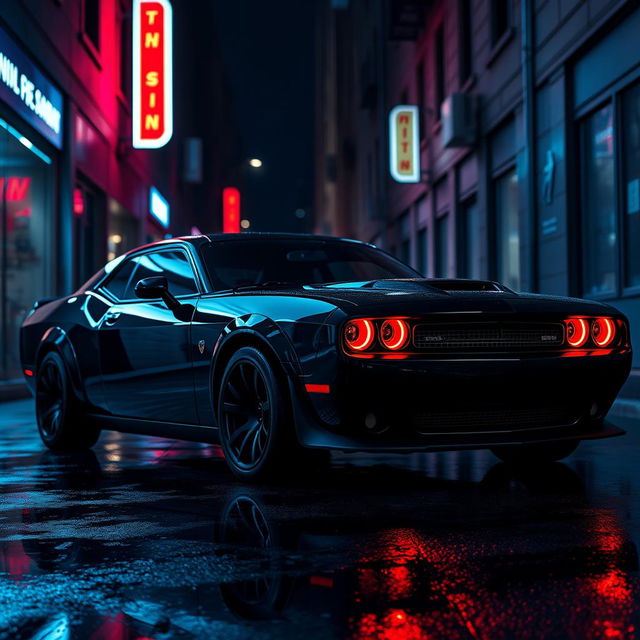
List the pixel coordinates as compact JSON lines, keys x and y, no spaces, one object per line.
{"x":152,"y":538}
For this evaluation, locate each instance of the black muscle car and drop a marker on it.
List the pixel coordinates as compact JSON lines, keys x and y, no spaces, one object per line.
{"x":282,"y":346}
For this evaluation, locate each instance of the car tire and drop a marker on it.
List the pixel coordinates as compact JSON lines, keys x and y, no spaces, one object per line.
{"x":62,"y":423}
{"x":257,"y":432}
{"x":536,"y":453}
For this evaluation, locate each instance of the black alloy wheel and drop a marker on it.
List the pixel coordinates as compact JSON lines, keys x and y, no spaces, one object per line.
{"x":249,"y":410}
{"x":62,"y":423}
{"x":50,"y":392}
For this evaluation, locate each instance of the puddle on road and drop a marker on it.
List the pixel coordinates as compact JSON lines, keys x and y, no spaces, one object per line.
{"x":162,"y":543}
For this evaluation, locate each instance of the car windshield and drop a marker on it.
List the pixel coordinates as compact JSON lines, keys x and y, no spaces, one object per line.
{"x":239,"y":263}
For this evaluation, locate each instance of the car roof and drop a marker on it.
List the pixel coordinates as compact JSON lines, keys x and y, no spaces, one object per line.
{"x":271,"y":235}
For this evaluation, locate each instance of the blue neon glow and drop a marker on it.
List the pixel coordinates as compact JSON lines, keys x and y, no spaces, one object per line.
{"x":25,"y":141}
{"x":159,"y":207}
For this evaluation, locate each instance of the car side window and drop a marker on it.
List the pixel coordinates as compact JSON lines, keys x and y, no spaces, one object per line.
{"x":173,"y":264}
{"x":118,"y":283}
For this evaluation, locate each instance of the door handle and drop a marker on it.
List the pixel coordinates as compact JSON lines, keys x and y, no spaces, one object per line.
{"x":111,"y":317}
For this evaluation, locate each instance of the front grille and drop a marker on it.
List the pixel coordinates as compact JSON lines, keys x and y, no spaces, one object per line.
{"x":488,"y":336}
{"x":493,"y":419}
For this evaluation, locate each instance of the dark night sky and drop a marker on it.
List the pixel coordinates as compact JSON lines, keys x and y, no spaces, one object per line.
{"x":268,"y":50}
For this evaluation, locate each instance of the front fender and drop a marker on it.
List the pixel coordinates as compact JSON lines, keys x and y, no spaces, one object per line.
{"x":251,"y":330}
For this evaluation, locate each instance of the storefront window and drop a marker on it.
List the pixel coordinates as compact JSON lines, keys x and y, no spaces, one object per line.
{"x":471,"y":240}
{"x":598,"y":204}
{"x":631,"y":124}
{"x":442,"y":248}
{"x":508,"y":229}
{"x":26,"y":222}
{"x":124,"y":231}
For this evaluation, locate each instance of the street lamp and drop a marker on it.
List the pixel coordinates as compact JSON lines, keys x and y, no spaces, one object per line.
{"x":256,"y":163}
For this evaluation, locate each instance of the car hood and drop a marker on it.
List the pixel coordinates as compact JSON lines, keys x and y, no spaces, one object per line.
{"x":416,"y":296}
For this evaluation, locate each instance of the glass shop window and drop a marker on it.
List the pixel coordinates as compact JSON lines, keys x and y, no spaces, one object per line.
{"x":507,"y":229}
{"x":27,"y":197}
{"x":599,"y":203}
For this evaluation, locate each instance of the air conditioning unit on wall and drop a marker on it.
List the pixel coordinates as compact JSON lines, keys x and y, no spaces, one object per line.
{"x":458,"y":116}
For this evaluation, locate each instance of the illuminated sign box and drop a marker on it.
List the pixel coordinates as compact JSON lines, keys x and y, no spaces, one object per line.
{"x":404,"y":144}
{"x":28,"y":92}
{"x":230,"y":210}
{"x":152,"y":104}
{"x":159,"y":207}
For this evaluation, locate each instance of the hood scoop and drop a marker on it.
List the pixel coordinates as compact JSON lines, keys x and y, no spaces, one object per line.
{"x":436,"y":285}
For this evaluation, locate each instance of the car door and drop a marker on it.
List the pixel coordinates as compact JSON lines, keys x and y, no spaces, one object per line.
{"x":145,"y":352}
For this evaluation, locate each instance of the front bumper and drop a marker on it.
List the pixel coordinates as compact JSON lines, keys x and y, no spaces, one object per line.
{"x":422,"y":404}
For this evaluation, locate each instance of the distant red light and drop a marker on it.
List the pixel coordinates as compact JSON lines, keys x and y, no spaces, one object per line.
{"x":359,"y":334}
{"x":28,"y":372}
{"x":577,"y":331}
{"x":394,"y":334}
{"x":78,"y":202}
{"x":603,"y":331}
{"x":230,"y":210}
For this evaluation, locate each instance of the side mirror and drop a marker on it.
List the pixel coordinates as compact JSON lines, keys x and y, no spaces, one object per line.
{"x":154,"y":288}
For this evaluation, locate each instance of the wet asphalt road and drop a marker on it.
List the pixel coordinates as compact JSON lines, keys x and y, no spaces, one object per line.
{"x":152,"y":538}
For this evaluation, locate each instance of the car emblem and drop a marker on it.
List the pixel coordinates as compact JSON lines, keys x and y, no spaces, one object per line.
{"x":201,"y":346}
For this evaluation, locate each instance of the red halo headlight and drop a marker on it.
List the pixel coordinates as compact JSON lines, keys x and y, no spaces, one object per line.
{"x":577,"y":331}
{"x":394,"y":334}
{"x":603,"y":331}
{"x":359,"y":334}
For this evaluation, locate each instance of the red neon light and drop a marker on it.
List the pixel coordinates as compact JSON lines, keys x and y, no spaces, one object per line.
{"x":28,"y":372}
{"x":603,"y":331}
{"x":78,"y":202}
{"x":230,"y":210}
{"x":17,"y":188}
{"x":394,"y":334}
{"x":359,"y":334}
{"x":577,"y":331}
{"x":317,"y":388}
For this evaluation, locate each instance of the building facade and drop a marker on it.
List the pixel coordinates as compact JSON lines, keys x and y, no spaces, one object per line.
{"x":74,"y":192}
{"x":545,"y":196}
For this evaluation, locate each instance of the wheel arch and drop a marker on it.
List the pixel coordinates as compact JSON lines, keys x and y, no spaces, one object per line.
{"x":56,"y":339}
{"x":263,"y":334}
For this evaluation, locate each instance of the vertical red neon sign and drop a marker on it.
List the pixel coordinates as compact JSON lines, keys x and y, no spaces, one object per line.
{"x":152,"y":116}
{"x":230,"y":210}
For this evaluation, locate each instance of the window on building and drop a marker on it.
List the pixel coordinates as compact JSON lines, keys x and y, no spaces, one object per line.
{"x":507,"y":229}
{"x":439,"y":70}
{"x":442,"y":246}
{"x":631,"y":180}
{"x":91,"y":21}
{"x":466,"y":41}
{"x":422,"y":251}
{"x":470,"y":240}
{"x":420,"y":88}
{"x":404,"y":238}
{"x":500,"y":19}
{"x":599,"y":203}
